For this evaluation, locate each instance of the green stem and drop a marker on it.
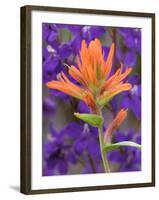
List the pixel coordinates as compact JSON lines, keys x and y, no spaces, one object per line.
{"x":103,"y":154}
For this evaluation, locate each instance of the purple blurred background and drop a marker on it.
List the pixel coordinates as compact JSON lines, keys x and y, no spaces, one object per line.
{"x":71,"y":146}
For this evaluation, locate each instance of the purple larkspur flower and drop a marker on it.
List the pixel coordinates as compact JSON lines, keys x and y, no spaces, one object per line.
{"x":128,"y":158}
{"x":54,"y":61}
{"x":129,"y":58}
{"x":50,"y":32}
{"x":50,"y":63}
{"x":70,"y":143}
{"x":105,"y":51}
{"x":132,"y":101}
{"x":58,"y":153}
{"x":85,"y":143}
{"x":91,"y":166}
{"x":65,"y":50}
{"x":72,"y":129}
{"x":60,"y":95}
{"x":114,"y":105}
{"x":132,"y":38}
{"x":55,"y":53}
{"x":129,"y":49}
{"x":49,"y":106}
{"x":87,"y":146}
{"x":82,"y":107}
{"x":127,"y":99}
{"x":88,"y":141}
{"x":87,"y":33}
{"x":134,"y":79}
{"x":55,"y":157}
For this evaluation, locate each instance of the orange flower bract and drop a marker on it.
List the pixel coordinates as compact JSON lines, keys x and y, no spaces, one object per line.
{"x":93,"y":74}
{"x":117,"y":121}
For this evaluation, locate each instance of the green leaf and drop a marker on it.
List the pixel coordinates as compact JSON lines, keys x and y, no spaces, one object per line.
{"x":94,"y":120}
{"x":110,"y":147}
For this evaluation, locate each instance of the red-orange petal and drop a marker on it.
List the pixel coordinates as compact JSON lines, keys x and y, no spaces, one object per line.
{"x":70,"y":89}
{"x":116,"y":79}
{"x":117,"y":121}
{"x":89,"y":100}
{"x":108,"y":63}
{"x":76,"y":74}
{"x":125,"y":74}
{"x":118,"y":89}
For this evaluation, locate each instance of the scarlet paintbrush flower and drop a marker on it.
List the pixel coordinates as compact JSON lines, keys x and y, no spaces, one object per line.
{"x":92,"y":72}
{"x":117,"y":121}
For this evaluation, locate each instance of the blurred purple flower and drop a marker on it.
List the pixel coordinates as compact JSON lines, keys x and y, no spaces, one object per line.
{"x":68,"y":145}
{"x":50,"y":63}
{"x":132,"y":38}
{"x":87,"y":33}
{"x":130,"y":59}
{"x":77,"y":140}
{"x":60,"y":95}
{"x":50,"y":32}
{"x":132,"y":101}
{"x":82,"y":107}
{"x":128,"y":158}
{"x":65,"y":50}
{"x":48,"y":106}
{"x":131,"y":48}
{"x":58,"y":154}
{"x":88,"y":140}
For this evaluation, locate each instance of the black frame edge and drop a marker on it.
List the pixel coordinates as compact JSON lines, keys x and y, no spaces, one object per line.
{"x":89,"y":11}
{"x":91,"y":188}
{"x":153,"y":99}
{"x":25,"y":107}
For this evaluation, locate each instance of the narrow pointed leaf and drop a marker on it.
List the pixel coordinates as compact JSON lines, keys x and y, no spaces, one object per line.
{"x":92,"y":119}
{"x":110,"y":147}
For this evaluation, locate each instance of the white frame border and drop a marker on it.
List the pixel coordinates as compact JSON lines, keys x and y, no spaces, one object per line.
{"x":39,"y":182}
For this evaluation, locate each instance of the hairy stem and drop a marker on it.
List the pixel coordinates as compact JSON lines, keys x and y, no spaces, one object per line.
{"x":103,"y":154}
